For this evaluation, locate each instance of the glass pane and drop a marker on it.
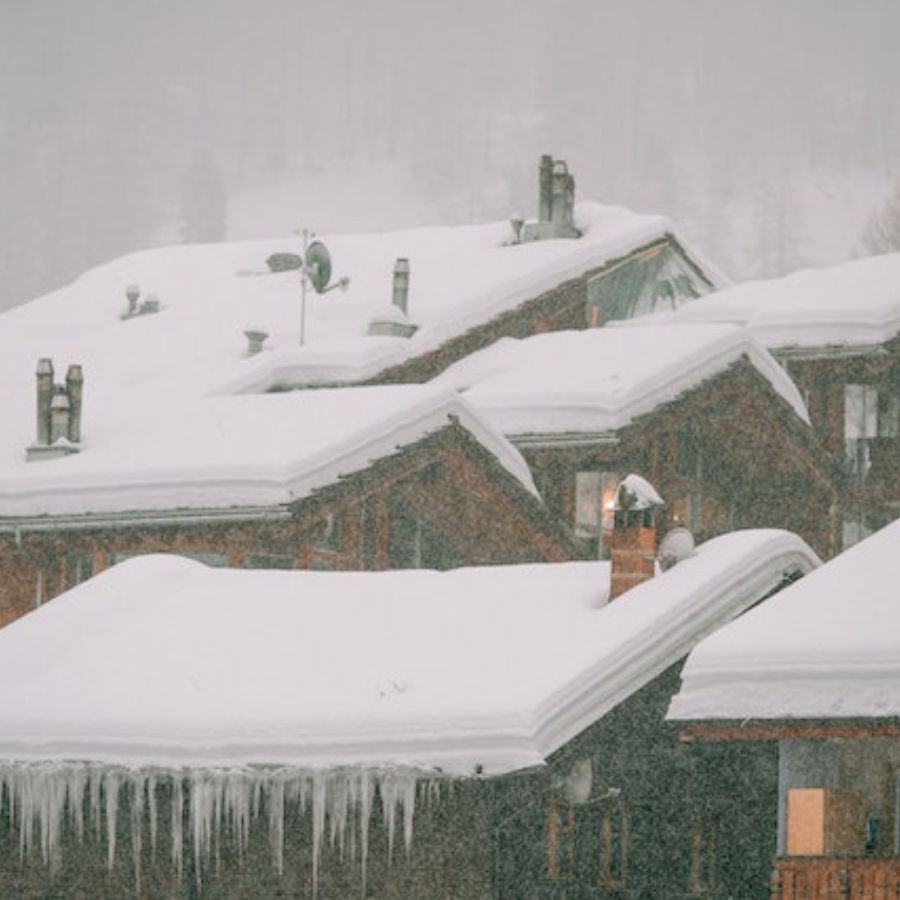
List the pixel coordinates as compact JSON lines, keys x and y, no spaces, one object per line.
{"x":587,"y":503}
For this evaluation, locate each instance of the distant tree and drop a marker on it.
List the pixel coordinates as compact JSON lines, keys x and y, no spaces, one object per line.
{"x":882,"y":232}
{"x":204,"y":203}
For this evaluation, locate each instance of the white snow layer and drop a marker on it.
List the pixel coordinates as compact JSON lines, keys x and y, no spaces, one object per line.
{"x":853,"y":304}
{"x":826,"y":647}
{"x":163,"y":661}
{"x":148,"y":378}
{"x":601,"y":379}
{"x":644,"y":494}
{"x":243,"y":451}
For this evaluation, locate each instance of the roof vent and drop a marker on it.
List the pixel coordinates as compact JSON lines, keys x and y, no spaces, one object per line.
{"x":395,"y":321}
{"x":256,"y":337}
{"x":150,"y":305}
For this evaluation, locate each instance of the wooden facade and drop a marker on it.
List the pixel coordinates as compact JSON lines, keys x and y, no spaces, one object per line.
{"x":729,"y":454}
{"x":854,"y":404}
{"x":441,"y":502}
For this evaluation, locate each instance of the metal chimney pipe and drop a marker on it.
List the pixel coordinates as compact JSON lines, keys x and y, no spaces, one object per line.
{"x":545,"y":188}
{"x":401,"y":284}
{"x":74,"y":389}
{"x":44,"y":375}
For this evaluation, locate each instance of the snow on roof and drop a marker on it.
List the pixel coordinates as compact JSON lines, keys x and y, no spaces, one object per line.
{"x":161,"y":660}
{"x":601,"y":379}
{"x":850,"y":305}
{"x":243,"y":451}
{"x":826,"y":647}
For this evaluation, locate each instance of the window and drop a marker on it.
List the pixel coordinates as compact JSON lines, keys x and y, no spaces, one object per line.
{"x":869,"y":414}
{"x":595,"y":497}
{"x":79,"y":568}
{"x":613,"y":844}
{"x":562,"y":841}
{"x":703,"y":855}
{"x":330,"y":533}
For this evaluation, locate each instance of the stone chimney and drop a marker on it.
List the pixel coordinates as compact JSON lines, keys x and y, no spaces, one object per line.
{"x":401,"y":284}
{"x":58,"y":413}
{"x":632,"y":547}
{"x":44,"y":375}
{"x":556,"y":203}
{"x":545,"y":188}
{"x":74,"y":386}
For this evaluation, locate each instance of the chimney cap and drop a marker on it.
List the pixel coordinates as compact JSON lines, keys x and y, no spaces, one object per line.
{"x":636,"y":493}
{"x":74,"y":373}
{"x":45,"y":366}
{"x":59,"y":401}
{"x":401,"y":264}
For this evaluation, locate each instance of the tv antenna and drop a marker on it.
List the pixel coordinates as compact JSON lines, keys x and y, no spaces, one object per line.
{"x":315,"y":269}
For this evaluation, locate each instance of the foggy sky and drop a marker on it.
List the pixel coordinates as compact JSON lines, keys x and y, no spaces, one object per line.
{"x":754,"y":123}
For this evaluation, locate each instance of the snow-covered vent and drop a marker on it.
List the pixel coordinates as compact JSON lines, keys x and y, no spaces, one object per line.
{"x":556,"y":203}
{"x":256,"y":337}
{"x":55,"y":807}
{"x":149,"y":305}
{"x":58,"y":413}
{"x":395,"y":321}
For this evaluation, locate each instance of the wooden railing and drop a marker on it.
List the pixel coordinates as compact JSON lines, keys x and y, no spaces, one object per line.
{"x":817,"y":878}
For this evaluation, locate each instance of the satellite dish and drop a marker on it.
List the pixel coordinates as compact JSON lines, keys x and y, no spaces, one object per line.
{"x":677,"y":545}
{"x":318,"y":266}
{"x":284,"y":262}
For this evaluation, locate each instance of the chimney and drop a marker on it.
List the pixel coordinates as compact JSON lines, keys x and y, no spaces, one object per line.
{"x":74,"y":385}
{"x":632,"y":548}
{"x":59,"y":417}
{"x":545,"y":188}
{"x":58,"y":413}
{"x":401,"y":284}
{"x":563,"y":199}
{"x":44,"y":375}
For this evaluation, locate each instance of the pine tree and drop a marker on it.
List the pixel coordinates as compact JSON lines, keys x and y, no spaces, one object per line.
{"x":882,"y":232}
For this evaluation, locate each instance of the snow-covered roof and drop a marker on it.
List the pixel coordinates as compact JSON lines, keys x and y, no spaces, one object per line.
{"x":856,"y":304}
{"x":601,"y":379}
{"x":826,"y":647}
{"x":161,"y":660}
{"x":236,"y":452}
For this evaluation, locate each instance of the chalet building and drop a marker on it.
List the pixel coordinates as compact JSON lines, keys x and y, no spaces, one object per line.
{"x":702,"y":410}
{"x":486,"y":732}
{"x":386,"y":477}
{"x":815,"y":673}
{"x":837,"y":332}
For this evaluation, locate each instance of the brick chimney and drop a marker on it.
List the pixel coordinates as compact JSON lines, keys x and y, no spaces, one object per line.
{"x":632,"y":546}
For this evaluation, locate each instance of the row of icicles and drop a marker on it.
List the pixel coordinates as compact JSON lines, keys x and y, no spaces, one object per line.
{"x":42,"y":800}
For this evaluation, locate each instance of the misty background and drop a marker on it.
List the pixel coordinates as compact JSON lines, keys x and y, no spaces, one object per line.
{"x":767,"y":129}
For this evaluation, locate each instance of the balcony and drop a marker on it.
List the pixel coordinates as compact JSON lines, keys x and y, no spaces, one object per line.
{"x":818,"y":878}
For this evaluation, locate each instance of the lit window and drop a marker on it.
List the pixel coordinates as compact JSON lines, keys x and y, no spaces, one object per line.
{"x":595,"y":499}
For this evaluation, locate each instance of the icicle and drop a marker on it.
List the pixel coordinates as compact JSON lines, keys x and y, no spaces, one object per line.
{"x":112,"y":809}
{"x":137,"y":822}
{"x":95,"y":780}
{"x":276,"y":824}
{"x":152,"y":812}
{"x":408,"y":802}
{"x":318,"y":823}
{"x":389,"y":790}
{"x":178,"y":825}
{"x":76,"y":788}
{"x":366,"y":795}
